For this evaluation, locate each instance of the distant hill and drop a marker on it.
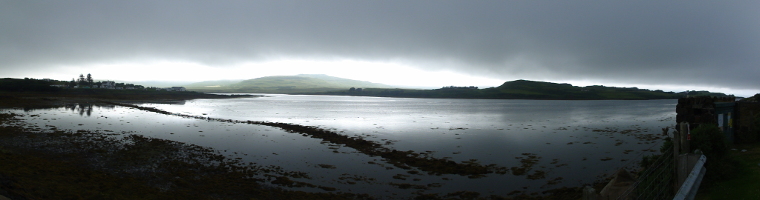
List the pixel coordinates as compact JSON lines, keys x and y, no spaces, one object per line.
{"x":284,"y":84}
{"x":525,"y":89}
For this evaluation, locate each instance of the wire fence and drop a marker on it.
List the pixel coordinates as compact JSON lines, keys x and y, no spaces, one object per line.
{"x":656,"y":181}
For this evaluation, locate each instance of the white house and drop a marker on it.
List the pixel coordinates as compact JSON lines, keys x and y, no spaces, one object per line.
{"x":108,"y":85}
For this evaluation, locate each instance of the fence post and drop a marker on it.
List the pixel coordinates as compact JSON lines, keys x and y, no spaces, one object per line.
{"x":689,"y":189}
{"x":683,"y":166}
{"x":677,"y":145}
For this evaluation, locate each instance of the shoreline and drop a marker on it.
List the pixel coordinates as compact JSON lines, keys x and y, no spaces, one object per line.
{"x":285,"y":181}
{"x":48,"y":99}
{"x":480,"y":98}
{"x":40,"y":163}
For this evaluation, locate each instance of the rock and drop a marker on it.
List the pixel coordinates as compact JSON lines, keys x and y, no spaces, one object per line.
{"x":618,"y":185}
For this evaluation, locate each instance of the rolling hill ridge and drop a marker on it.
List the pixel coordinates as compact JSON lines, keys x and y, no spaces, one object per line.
{"x":284,"y":84}
{"x":525,"y":89}
{"x":318,"y":84}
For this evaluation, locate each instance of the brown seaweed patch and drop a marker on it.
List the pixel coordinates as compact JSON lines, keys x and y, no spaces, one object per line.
{"x":400,"y":176}
{"x":409,"y":186}
{"x":142,"y":167}
{"x":538,"y":174}
{"x":555,"y":181}
{"x":527,"y":161}
{"x":326,"y":166}
{"x":285,"y":181}
{"x":352,"y":179}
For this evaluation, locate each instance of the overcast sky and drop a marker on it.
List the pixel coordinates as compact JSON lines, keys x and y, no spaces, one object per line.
{"x":670,"y":45}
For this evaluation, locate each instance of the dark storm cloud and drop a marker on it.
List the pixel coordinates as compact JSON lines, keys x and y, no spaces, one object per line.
{"x":643,"y":42}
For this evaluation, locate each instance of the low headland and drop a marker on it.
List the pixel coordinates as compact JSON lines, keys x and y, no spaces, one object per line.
{"x":525,"y":89}
{"x":317,"y":84}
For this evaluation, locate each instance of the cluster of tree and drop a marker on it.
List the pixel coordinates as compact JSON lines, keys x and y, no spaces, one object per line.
{"x":353,"y":89}
{"x":694,"y":93}
{"x":755,"y":98}
{"x":82,"y":81}
{"x":88,"y":82}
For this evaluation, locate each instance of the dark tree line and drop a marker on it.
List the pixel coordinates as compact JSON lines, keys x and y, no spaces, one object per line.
{"x":27,"y":84}
{"x":82,"y":81}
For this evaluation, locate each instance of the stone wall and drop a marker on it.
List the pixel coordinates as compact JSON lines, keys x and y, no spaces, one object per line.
{"x":698,"y":110}
{"x":747,"y":119}
{"x":702,"y":110}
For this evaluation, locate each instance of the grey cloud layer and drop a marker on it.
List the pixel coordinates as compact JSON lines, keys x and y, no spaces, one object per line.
{"x":629,"y":42}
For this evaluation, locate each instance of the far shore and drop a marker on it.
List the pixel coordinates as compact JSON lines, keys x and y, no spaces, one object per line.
{"x":45,"y":99}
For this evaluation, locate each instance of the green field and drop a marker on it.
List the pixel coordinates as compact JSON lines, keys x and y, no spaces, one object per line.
{"x":745,"y":185}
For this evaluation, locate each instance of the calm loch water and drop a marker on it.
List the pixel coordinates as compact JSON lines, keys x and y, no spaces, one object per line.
{"x":571,"y":142}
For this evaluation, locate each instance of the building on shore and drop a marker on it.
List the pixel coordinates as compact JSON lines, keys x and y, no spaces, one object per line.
{"x":179,"y":89}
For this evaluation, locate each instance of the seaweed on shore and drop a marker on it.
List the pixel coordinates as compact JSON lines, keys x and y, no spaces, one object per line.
{"x":400,"y":159}
{"x":253,"y":186}
{"x":45,"y":164}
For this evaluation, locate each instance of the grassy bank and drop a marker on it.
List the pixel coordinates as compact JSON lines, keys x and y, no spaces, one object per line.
{"x":746,"y":185}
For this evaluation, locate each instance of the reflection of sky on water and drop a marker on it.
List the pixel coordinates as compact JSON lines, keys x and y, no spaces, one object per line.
{"x":491,"y":131}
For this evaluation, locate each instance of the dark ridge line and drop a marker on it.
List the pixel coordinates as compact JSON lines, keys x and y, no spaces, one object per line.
{"x":401,"y":159}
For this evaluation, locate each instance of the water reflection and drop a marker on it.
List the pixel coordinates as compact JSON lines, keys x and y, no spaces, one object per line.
{"x":570,"y":140}
{"x":83,"y":109}
{"x":86,"y":108}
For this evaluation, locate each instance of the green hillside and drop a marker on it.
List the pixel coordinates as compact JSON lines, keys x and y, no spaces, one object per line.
{"x":285,"y":84}
{"x":524,"y":89}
